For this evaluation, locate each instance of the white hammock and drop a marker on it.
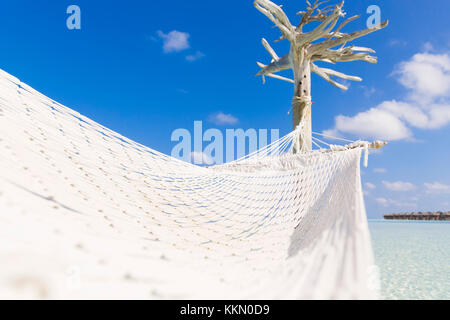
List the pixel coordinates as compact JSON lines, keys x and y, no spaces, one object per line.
{"x":87,"y":213}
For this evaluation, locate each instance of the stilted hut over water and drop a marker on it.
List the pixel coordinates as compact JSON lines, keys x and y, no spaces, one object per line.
{"x":432,"y":216}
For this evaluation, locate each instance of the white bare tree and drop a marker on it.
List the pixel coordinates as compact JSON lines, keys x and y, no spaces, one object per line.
{"x":305,"y":50}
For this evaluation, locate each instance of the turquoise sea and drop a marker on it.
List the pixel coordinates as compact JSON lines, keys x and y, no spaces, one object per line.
{"x":413,"y":258}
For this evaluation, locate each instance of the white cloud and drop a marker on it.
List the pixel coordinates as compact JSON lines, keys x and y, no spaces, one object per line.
{"x":439,"y":115}
{"x":428,"y":46}
{"x":404,"y":111}
{"x":194,"y":57}
{"x":426,"y":76}
{"x":368,"y":91}
{"x":174,"y":41}
{"x":382,"y":201}
{"x":397,"y":43}
{"x":221,"y":118}
{"x":151,"y":38}
{"x":374,"y":123}
{"x":379,"y":170}
{"x":400,"y":204}
{"x":369,"y":185}
{"x":201,"y":158}
{"x":437,"y":188}
{"x":399,"y":186}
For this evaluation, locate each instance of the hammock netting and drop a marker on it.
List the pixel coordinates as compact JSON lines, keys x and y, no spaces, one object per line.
{"x":88,"y":213}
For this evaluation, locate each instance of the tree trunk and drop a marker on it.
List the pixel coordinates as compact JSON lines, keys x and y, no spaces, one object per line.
{"x":301,"y":103}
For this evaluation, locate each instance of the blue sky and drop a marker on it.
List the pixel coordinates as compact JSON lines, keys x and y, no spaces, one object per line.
{"x":146,"y":68}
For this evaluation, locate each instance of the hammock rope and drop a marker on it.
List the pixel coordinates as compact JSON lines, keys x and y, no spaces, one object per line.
{"x":88,"y":213}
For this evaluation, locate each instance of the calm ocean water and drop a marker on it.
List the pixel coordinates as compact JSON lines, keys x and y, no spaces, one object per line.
{"x":413,"y":257}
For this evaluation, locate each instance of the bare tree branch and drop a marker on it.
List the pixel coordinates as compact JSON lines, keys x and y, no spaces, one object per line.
{"x":345,"y":54}
{"x":264,"y":72}
{"x":283,"y":63}
{"x":327,"y":24}
{"x":340,"y":74}
{"x":349,"y":37}
{"x":324,"y":75}
{"x":336,"y":32}
{"x":270,"y":50}
{"x":277,"y":16}
{"x":355,"y":48}
{"x":307,"y":16}
{"x":276,"y":76}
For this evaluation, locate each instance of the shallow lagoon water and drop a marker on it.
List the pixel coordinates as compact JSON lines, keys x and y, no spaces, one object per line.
{"x":413,"y":257}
